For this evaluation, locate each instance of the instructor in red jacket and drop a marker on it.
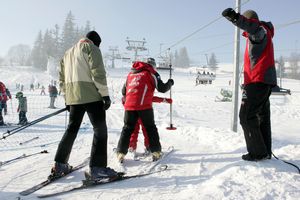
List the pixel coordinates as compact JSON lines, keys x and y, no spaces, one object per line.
{"x":259,"y":78}
{"x":139,"y":90}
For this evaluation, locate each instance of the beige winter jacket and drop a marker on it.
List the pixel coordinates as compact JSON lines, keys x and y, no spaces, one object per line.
{"x":82,"y":77}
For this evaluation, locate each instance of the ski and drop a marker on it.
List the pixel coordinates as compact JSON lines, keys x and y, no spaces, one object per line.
{"x":21,"y":157}
{"x":148,"y":167}
{"x":48,"y":181}
{"x":141,"y":156}
{"x":90,"y":183}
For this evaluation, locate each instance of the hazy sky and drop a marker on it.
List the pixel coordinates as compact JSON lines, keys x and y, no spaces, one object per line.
{"x":163,"y":23}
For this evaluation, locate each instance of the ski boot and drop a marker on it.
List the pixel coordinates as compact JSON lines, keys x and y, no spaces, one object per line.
{"x":120,"y":157}
{"x":59,"y":170}
{"x":147,"y":151}
{"x":250,"y":157}
{"x":97,"y":174}
{"x":156,"y":155}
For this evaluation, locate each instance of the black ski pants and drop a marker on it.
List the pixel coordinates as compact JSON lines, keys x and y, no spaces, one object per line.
{"x":96,"y":114}
{"x":130,"y":120}
{"x":22,"y":118}
{"x":255,"y":118}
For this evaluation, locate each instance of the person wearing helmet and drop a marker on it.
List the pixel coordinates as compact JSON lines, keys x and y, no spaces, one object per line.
{"x":138,"y":91}
{"x":259,"y":78}
{"x":22,"y":108}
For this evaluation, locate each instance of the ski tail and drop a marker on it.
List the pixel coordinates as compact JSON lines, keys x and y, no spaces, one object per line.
{"x":90,"y":183}
{"x":48,"y":181}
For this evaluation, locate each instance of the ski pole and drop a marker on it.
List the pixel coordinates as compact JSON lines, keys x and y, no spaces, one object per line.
{"x":27,"y":141}
{"x":171,"y":127}
{"x":289,"y":163}
{"x":21,"y":157}
{"x":15,"y":130}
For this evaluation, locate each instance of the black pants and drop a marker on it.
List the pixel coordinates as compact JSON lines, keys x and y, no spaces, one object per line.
{"x":22,"y":118}
{"x":130,"y":120}
{"x":255,"y":118}
{"x":1,"y":118}
{"x":96,"y":115}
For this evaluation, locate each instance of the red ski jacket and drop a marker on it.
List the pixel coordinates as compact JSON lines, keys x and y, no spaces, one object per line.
{"x":259,"y":65}
{"x":140,"y":85}
{"x":3,"y":96}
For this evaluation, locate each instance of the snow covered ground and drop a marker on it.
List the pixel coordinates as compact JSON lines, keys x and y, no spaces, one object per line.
{"x":207,"y":160}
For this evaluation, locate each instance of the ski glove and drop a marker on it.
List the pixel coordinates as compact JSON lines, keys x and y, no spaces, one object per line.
{"x":170,"y":82}
{"x":107,"y":102}
{"x":68,"y":108}
{"x":230,"y":14}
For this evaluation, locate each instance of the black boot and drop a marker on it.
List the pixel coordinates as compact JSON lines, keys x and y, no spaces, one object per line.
{"x":250,"y":157}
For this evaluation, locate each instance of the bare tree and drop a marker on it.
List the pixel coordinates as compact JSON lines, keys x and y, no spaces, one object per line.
{"x":19,"y":54}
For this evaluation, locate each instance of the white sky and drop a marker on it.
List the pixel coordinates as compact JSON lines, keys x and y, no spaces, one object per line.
{"x":158,"y":21}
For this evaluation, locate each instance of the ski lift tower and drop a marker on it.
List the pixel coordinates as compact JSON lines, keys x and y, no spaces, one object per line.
{"x":114,"y":56}
{"x":136,"y":46}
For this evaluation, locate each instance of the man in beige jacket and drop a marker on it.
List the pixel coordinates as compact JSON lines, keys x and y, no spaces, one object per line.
{"x":82,"y":80}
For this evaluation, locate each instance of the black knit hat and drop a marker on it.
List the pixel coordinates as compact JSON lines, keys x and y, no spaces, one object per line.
{"x":94,"y":36}
{"x":250,"y":14}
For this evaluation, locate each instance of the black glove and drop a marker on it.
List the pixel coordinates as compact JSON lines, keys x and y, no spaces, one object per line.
{"x":107,"y":102}
{"x":230,"y":14}
{"x":170,"y":82}
{"x":68,"y":107}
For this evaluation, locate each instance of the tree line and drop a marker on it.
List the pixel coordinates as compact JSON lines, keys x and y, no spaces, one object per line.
{"x":52,"y":43}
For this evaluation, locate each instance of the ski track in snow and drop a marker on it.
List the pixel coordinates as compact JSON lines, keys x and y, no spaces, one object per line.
{"x":206,"y":163}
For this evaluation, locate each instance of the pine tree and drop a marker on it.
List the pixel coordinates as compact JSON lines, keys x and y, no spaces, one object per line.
{"x":176,"y":59}
{"x":294,"y":64}
{"x":68,"y":33}
{"x":38,"y":54}
{"x":49,"y":44}
{"x":184,"y":58}
{"x":87,"y":27}
{"x":57,"y":43}
{"x":212,"y":62}
{"x":281,"y":69}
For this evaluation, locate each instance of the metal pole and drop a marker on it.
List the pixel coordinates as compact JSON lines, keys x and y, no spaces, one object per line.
{"x":171,"y":127}
{"x":236,"y":72}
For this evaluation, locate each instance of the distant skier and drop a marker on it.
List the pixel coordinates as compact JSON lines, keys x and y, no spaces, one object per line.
{"x":140,"y":85}
{"x":5,"y":102}
{"x":31,"y":87}
{"x":22,"y":108}
{"x":259,"y":78}
{"x":3,"y":99}
{"x":43,"y":90}
{"x":53,"y":92}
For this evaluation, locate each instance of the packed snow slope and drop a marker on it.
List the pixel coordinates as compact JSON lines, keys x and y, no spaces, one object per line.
{"x":206,"y":163}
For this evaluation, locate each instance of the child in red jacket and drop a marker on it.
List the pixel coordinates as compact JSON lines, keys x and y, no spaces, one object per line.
{"x":135,"y":133}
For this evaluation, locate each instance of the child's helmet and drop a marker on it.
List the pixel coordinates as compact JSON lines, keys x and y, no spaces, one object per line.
{"x":151,"y":61}
{"x":19,"y":94}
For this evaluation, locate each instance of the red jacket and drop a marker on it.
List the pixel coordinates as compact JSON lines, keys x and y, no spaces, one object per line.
{"x":140,"y":86}
{"x":259,"y":65}
{"x":3,"y":96}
